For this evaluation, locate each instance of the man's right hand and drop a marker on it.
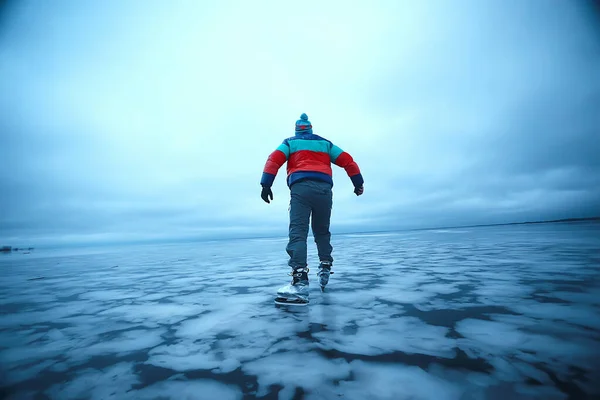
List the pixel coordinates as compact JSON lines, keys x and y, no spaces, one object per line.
{"x":359,"y":190}
{"x":266,"y":193}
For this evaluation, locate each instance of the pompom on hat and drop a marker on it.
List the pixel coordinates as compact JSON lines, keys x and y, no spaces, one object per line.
{"x":303,"y":125}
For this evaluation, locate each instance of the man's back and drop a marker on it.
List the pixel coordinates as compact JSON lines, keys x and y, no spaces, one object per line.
{"x":309,"y":157}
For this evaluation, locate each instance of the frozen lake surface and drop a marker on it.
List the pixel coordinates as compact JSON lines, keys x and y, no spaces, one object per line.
{"x":508,"y":312}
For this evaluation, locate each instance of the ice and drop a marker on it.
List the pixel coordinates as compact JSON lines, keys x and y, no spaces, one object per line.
{"x":494,"y":289}
{"x":201,"y":389}
{"x":24,"y":298}
{"x":403,"y":295}
{"x":8,"y":339}
{"x":27,"y":373}
{"x":114,"y":382}
{"x":381,"y":381}
{"x":128,"y":341}
{"x":152,"y":297}
{"x":233,"y":317}
{"x":49,"y":315}
{"x":544,"y":392}
{"x":17,"y":356}
{"x":309,"y":371}
{"x":592,"y":298}
{"x":250,"y":347}
{"x":530,"y":371}
{"x":480,"y":380}
{"x":499,"y":312}
{"x":406,"y":334}
{"x":82,"y":327}
{"x":493,"y":334}
{"x":504,"y":341}
{"x":581,"y":315}
{"x":184,"y":356}
{"x":111,"y":295}
{"x":162,"y":313}
{"x":498,"y":337}
{"x":439,"y":288}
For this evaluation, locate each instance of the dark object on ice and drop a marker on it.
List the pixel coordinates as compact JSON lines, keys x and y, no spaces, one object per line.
{"x":5,"y":249}
{"x":115,"y":266}
{"x":296,"y":292}
{"x":36,"y":278}
{"x":324,"y":273}
{"x":287,"y":302}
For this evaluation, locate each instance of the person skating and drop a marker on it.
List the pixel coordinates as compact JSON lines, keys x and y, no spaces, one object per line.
{"x":309,"y":178}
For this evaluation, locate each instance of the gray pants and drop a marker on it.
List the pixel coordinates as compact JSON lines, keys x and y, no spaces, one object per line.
{"x":309,"y":198}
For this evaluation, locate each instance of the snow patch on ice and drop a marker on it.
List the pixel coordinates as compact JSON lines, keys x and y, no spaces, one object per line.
{"x":161,"y":313}
{"x":307,"y":370}
{"x":580,"y":315}
{"x":383,"y":382}
{"x":127,"y":342}
{"x":406,"y":334}
{"x":199,"y":389}
{"x":113,"y":382}
{"x":111,"y":295}
{"x":233,"y":314}
{"x":17,"y":375}
{"x":592,"y":298}
{"x":184,"y":356}
{"x":18,"y":356}
{"x":495,"y":341}
{"x":439,"y":288}
{"x":493,"y":291}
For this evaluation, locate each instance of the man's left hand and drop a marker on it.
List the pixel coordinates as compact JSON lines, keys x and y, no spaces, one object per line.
{"x":266,"y":193}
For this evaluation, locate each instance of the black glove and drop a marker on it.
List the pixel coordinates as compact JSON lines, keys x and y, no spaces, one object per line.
{"x":266,"y":193}
{"x":359,"y":190}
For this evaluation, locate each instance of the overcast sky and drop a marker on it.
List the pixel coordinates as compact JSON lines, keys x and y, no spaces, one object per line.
{"x":129,"y":120}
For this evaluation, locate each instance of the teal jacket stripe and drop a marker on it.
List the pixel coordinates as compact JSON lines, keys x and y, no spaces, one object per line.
{"x":310,"y":145}
{"x":335,"y":152}
{"x":285,"y":149}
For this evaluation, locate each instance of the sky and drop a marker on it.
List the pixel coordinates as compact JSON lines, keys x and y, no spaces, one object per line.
{"x":133,"y":121}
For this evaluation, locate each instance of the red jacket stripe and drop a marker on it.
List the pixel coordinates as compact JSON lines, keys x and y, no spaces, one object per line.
{"x":346,"y":161}
{"x":274,"y":162}
{"x":307,"y":160}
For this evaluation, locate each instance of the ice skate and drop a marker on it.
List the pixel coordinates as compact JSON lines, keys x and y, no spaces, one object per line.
{"x":323,"y":274}
{"x":295,"y":293}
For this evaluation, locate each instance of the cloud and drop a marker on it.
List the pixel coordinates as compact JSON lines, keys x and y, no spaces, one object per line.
{"x":122,"y":121}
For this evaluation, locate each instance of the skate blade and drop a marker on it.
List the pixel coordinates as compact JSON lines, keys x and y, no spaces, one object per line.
{"x":322,"y":288}
{"x":290,"y":302}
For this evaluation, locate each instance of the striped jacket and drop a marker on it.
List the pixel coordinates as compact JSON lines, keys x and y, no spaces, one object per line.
{"x":309,"y":157}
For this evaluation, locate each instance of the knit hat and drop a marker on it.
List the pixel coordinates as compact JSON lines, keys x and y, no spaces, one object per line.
{"x":303,"y":125}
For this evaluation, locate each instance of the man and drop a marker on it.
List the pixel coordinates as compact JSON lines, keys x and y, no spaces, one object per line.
{"x":309,"y":178}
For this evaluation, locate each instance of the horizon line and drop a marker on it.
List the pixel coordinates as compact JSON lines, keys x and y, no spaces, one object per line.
{"x":207,"y":239}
